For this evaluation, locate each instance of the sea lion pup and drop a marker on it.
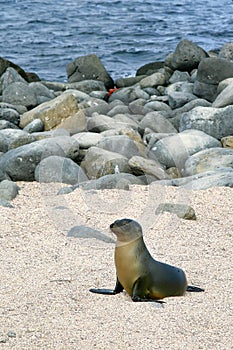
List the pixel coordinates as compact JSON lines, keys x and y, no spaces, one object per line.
{"x":144,"y":278}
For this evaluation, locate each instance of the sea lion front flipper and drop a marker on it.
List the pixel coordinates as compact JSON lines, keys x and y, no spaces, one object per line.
{"x":118,"y":289}
{"x":139,"y":289}
{"x":194,"y":289}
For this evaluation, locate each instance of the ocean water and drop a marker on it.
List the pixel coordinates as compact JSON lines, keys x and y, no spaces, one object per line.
{"x":44,"y":36}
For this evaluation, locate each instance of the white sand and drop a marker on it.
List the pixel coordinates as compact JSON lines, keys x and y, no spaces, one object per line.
{"x":45,"y":276}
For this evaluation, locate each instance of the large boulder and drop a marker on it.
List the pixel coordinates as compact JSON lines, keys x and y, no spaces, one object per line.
{"x":59,"y":169}
{"x":216,"y":122}
{"x":225,"y":97}
{"x":149,"y":167}
{"x":19,"y":93}
{"x":13,"y":138}
{"x":4,"y":64}
{"x":99,"y":162}
{"x":175,"y":150}
{"x":211,"y":71}
{"x":186,"y":56}
{"x":53,"y":112}
{"x":120,"y":144}
{"x":209,"y":159}
{"x":157,"y":123}
{"x":88,"y":67}
{"x":19,"y":164}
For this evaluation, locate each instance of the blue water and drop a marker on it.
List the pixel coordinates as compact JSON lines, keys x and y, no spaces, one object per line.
{"x":44,"y":36}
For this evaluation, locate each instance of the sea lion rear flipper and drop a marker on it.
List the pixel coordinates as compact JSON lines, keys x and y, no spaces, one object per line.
{"x":118,"y":289}
{"x":194,"y":289}
{"x":139,"y":289}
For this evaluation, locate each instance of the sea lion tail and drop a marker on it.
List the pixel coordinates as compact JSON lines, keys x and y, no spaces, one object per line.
{"x":194,"y":289}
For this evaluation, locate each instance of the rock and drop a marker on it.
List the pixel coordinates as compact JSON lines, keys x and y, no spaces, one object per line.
{"x":183,"y":211}
{"x":157,"y":106}
{"x":226,"y":52}
{"x":10,"y":115}
{"x":198,"y":102}
{"x":100,"y":122}
{"x":59,"y":169}
{"x":216,"y":122}
{"x":4,"y":64}
{"x":4,"y":124}
{"x":180,"y":86}
{"x":88,"y":67}
{"x":120,"y":181}
{"x":88,"y":232}
{"x":179,"y":99}
{"x":175,"y":150}
{"x":74,"y":124}
{"x":149,"y":68}
{"x":186,"y":56}
{"x":13,"y":138}
{"x":19,"y":93}
{"x":156,"y":122}
{"x":11,"y":76}
{"x":227,"y":142}
{"x":211,"y":71}
{"x":129,"y":94}
{"x":8,"y":190}
{"x":218,"y":178}
{"x":35,"y":126}
{"x":43,"y":94}
{"x":87,"y":86}
{"x":121,"y":144}
{"x":87,"y":139}
{"x":140,"y":165}
{"x":179,"y":76}
{"x":208,"y":159}
{"x":153,"y":80}
{"x":19,"y":164}
{"x":202,"y":181}
{"x":119,"y":109}
{"x":53,"y":112}
{"x":225,"y":98}
{"x":128,"y":81}
{"x":99,"y":162}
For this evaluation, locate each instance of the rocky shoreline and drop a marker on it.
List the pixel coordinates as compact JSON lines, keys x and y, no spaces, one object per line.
{"x":172,"y":123}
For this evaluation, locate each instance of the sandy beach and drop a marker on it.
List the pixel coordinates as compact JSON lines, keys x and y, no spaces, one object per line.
{"x":46,"y":276}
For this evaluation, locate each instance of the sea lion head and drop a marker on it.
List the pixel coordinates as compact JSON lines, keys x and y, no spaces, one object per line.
{"x":126,"y":230}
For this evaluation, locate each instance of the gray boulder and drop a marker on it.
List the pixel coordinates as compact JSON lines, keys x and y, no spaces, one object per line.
{"x":216,"y":122}
{"x":175,"y":150}
{"x":43,"y":94}
{"x":99,"y":162}
{"x":19,"y":164}
{"x":13,"y":138}
{"x":4,"y":64}
{"x":35,"y":126}
{"x":11,"y":76}
{"x":100,"y":122}
{"x":8,"y":190}
{"x":186,"y":56}
{"x":203,"y":181}
{"x":226,"y":52}
{"x":157,"y":123}
{"x":179,"y":76}
{"x":19,"y":93}
{"x":86,"y":86}
{"x":59,"y":169}
{"x":10,"y":115}
{"x":119,"y":181}
{"x":121,"y":144}
{"x":225,"y":98}
{"x":88,"y":67}
{"x":87,"y":139}
{"x":179,"y":99}
{"x":143,"y":166}
{"x":210,"y":72}
{"x":4,"y":124}
{"x":208,"y":159}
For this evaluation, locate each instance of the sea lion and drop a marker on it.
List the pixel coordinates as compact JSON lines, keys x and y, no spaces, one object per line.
{"x":144,"y":278}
